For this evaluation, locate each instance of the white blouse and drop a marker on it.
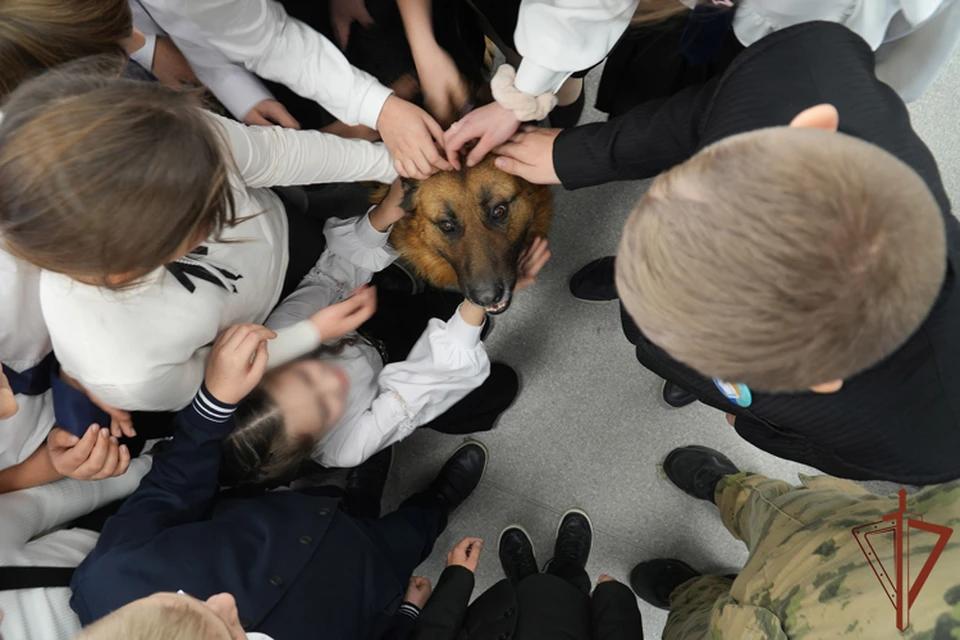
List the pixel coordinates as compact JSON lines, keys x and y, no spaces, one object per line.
{"x":261,"y":36}
{"x":145,"y":347}
{"x":25,"y":518}
{"x":24,"y":342}
{"x":913,"y":38}
{"x":236,"y":88}
{"x":385,"y":403}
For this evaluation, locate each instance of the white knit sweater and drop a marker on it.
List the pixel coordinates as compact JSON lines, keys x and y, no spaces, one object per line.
{"x":28,"y":537}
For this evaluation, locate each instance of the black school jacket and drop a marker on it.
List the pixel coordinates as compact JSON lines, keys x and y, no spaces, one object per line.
{"x":541,"y":607}
{"x":900,"y":420}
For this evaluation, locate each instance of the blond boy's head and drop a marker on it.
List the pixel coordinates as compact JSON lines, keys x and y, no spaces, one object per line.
{"x":783,"y":258}
{"x":170,"y":616}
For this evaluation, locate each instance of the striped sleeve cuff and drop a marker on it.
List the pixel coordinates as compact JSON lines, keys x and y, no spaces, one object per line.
{"x":410,"y":610}
{"x":210,"y":408}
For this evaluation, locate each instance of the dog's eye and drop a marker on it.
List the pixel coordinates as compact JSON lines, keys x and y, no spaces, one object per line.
{"x":446,"y":226}
{"x":499,"y":211}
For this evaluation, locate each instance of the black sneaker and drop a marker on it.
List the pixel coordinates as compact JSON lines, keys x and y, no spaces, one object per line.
{"x":517,"y":556}
{"x":574,"y":539}
{"x":569,"y":114}
{"x":364,"y":487}
{"x":461,"y":474}
{"x":675,"y":396}
{"x":697,"y":470}
{"x":595,"y":281}
{"x":655,"y":580}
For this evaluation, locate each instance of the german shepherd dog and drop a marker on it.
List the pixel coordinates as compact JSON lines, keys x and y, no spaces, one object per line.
{"x":467,"y":228}
{"x":464,"y":228}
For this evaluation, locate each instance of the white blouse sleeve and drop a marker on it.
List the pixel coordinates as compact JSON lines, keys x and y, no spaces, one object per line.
{"x":261,"y":36}
{"x":355,"y":251}
{"x":557,"y":37}
{"x":30,"y":512}
{"x":447,"y":362}
{"x":275,"y":157}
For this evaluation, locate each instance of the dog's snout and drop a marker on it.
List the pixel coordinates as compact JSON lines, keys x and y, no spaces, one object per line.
{"x":487,"y":294}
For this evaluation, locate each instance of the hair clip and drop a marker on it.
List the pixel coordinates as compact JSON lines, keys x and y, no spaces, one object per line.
{"x":723,"y":3}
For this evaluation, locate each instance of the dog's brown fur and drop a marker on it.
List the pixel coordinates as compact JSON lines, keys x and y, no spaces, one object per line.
{"x":467,"y":229}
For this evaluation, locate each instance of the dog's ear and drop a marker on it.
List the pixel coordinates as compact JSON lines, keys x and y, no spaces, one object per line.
{"x":410,"y":186}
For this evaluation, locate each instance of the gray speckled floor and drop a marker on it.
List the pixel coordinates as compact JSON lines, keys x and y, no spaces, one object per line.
{"x":589,"y":429}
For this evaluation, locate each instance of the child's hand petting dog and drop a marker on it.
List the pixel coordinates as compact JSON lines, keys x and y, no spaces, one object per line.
{"x":339,"y":319}
{"x":237,"y":362}
{"x":531,"y":262}
{"x":8,"y":400}
{"x":389,"y":211}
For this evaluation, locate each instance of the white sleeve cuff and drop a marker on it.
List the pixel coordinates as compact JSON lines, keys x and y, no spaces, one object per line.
{"x":292,"y":342}
{"x":144,"y":55}
{"x":534,"y":80}
{"x":461,"y":332}
{"x":368,"y":236}
{"x":372,"y":104}
{"x":240,"y":92}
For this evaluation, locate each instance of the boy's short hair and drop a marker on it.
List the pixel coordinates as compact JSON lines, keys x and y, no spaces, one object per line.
{"x":783,"y":258}
{"x":148,"y":619}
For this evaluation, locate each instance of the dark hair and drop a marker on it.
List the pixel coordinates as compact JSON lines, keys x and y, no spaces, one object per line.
{"x":102,"y":176}
{"x":258,"y":451}
{"x":40,"y":34}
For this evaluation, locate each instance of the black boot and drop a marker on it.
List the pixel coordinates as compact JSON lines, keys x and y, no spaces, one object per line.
{"x":653,"y":581}
{"x":574,"y":539}
{"x":676,"y":396}
{"x":517,"y":556}
{"x":595,"y":281}
{"x":364,"y":487}
{"x":569,"y":114}
{"x":461,"y":474}
{"x":697,"y":470}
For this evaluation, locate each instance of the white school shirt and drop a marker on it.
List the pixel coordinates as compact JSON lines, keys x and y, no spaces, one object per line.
{"x":24,"y":342}
{"x":385,"y":403}
{"x":25,"y":516}
{"x":145,"y":347}
{"x":261,"y":36}
{"x":235,"y":87}
{"x":913,"y":38}
{"x":558,"y":37}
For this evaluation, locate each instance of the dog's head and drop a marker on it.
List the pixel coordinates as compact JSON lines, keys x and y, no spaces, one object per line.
{"x":467,"y":228}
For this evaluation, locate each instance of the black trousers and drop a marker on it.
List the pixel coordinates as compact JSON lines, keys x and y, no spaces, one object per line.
{"x":399,"y":322}
{"x":572,"y":573}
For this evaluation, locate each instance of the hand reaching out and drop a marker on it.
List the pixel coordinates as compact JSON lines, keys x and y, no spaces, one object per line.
{"x":388,"y":212}
{"x":237,"y":362}
{"x":95,"y":456}
{"x":411,"y":136}
{"x":444,"y":89}
{"x":121,"y":424}
{"x":419,"y":590}
{"x":343,"y":13}
{"x":466,"y":554}
{"x":492,"y":124}
{"x":531,"y":261}
{"x":268,"y":113}
{"x":529,"y":155}
{"x":341,"y":318}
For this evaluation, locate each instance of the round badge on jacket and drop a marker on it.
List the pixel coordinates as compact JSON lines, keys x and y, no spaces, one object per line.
{"x":736,"y":392}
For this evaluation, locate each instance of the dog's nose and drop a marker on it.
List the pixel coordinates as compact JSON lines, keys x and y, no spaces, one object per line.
{"x":487,"y":294}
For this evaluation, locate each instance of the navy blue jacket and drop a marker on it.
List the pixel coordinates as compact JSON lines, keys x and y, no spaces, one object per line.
{"x":297,"y":565}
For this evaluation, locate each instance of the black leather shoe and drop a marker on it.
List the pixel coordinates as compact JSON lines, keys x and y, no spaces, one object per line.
{"x":569,"y":114}
{"x":574,"y":538}
{"x":653,"y":581}
{"x":365,"y":484}
{"x":517,"y":556}
{"x":461,"y":474}
{"x":675,"y":396}
{"x":697,"y":470}
{"x":595,"y":281}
